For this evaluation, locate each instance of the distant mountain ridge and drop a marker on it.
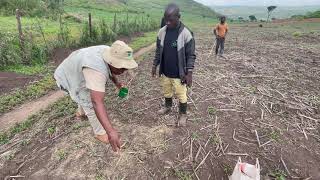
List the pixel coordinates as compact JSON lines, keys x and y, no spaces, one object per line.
{"x":260,"y":12}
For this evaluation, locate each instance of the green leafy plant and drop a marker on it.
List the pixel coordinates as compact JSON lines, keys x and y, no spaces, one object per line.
{"x":211,"y":110}
{"x":62,"y":154}
{"x":51,"y":130}
{"x":279,"y":175}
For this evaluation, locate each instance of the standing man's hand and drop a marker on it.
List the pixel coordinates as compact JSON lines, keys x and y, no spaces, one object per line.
{"x":114,"y":140}
{"x":188,"y":79}
{"x":154,"y":71}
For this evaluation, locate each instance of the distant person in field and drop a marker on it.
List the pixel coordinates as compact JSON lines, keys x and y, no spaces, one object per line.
{"x":221,"y":31}
{"x":175,"y":56}
{"x":84,"y":75}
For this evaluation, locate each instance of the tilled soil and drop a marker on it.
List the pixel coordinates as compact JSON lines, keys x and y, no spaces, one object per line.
{"x":261,"y":101}
{"x":10,"y":81}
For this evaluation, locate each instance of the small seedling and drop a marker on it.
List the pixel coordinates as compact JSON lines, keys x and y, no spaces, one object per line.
{"x":227,"y":169}
{"x":214,"y":139}
{"x":194,"y":135}
{"x":51,"y":131}
{"x":211,"y":110}
{"x":183,"y":175}
{"x":24,"y":142}
{"x":61,"y":154}
{"x":275,"y":135}
{"x":99,"y":177}
{"x":296,"y":34}
{"x":252,"y":90}
{"x":279,"y":175}
{"x":76,"y":126}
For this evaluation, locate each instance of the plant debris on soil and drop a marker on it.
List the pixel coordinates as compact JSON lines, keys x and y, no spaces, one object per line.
{"x":261,"y":101}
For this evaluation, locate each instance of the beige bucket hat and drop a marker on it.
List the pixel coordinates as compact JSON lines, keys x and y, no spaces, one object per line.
{"x":120,"y":55}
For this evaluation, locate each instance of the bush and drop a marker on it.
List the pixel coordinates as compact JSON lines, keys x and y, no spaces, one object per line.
{"x":106,"y":33}
{"x":125,"y":27}
{"x":10,"y":52}
{"x":86,"y":39}
{"x":33,"y":8}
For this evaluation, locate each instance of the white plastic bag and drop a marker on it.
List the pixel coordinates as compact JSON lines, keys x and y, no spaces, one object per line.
{"x":245,"y":171}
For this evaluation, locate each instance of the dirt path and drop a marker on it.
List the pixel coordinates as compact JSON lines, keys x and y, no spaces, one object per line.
{"x":144,"y":50}
{"x":23,"y":112}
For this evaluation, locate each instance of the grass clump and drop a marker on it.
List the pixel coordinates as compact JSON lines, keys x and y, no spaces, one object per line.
{"x":61,"y":154}
{"x":146,"y":39}
{"x":26,"y":70}
{"x":297,"y":34}
{"x":183,"y":175}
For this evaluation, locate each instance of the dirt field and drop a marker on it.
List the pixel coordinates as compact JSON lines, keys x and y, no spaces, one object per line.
{"x":262,"y":101}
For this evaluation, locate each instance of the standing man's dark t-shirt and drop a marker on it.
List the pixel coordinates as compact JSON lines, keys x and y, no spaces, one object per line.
{"x":170,"y":64}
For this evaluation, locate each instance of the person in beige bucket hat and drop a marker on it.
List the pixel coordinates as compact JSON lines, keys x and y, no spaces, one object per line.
{"x":84,"y":75}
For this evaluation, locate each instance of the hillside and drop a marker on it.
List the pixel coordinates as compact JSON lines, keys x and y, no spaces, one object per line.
{"x":315,"y":14}
{"x":153,"y":8}
{"x":261,"y":12}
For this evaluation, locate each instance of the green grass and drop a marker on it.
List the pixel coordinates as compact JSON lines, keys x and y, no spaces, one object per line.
{"x":38,"y":89}
{"x":183,"y":175}
{"x":27,"y":70}
{"x":145,"y":40}
{"x":6,"y":136}
{"x":279,"y":175}
{"x":59,"y":109}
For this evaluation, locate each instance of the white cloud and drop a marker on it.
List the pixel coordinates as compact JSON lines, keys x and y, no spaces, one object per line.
{"x":260,"y":3}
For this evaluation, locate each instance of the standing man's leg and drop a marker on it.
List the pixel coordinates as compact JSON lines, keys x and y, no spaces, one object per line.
{"x":98,"y":130}
{"x":181,"y":92}
{"x":217,"y":45}
{"x":167,"y":90}
{"x":222,"y":46}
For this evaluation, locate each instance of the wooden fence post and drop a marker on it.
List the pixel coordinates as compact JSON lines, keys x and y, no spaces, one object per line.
{"x":21,"y":37}
{"x":90,"y":25}
{"x":115,"y":22}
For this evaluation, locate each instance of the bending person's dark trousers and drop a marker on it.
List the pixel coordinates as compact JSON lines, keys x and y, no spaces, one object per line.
{"x":220,"y":44}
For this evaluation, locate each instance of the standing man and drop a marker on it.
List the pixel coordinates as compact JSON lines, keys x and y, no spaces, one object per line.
{"x":176,"y":56}
{"x":220,"y":31}
{"x":84,"y":74}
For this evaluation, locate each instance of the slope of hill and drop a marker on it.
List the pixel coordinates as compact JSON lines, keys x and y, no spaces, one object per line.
{"x":152,"y":8}
{"x":261,"y":12}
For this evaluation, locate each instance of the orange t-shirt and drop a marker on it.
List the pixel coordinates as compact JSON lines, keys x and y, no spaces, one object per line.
{"x":221,"y":29}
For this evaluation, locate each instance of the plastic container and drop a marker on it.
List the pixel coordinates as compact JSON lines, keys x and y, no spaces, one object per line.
{"x":123,"y":92}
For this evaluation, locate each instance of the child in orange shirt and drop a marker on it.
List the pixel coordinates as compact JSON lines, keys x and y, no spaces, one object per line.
{"x":220,"y":31}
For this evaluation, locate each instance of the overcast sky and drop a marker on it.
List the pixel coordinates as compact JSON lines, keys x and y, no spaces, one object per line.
{"x":260,"y":2}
